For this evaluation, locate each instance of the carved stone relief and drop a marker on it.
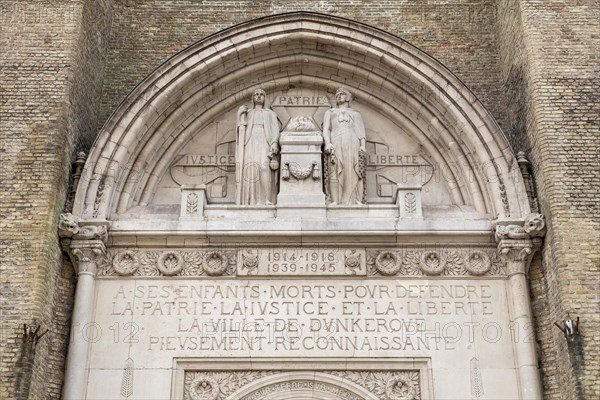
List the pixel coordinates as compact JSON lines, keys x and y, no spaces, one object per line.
{"x":218,"y":385}
{"x":256,"y":152}
{"x":289,"y":261}
{"x":169,"y":262}
{"x":345,"y":144}
{"x":386,"y":157}
{"x":436,"y":262}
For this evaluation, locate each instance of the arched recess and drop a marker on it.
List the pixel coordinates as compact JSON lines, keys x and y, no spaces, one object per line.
{"x":142,"y":137}
{"x":302,"y":385}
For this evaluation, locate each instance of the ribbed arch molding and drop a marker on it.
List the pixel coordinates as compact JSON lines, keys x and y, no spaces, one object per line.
{"x":157,"y":119}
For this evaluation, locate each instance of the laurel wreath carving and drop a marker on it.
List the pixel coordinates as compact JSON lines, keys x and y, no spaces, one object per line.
{"x":404,"y":261}
{"x":172,"y":262}
{"x":432,"y":263}
{"x":125,"y":263}
{"x":387,"y":263}
{"x":441,"y":262}
{"x":299,"y":172}
{"x":215,"y":263}
{"x":478,"y":263}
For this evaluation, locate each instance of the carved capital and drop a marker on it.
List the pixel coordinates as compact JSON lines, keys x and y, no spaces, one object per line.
{"x":87,"y":255}
{"x":517,"y":255}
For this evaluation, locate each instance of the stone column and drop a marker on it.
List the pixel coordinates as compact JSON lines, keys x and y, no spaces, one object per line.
{"x":86,"y":255}
{"x":517,"y":242}
{"x":517,"y":255}
{"x":84,"y":241}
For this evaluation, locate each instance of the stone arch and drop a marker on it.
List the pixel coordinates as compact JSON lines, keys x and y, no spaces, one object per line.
{"x":302,"y":385}
{"x":158,"y":118}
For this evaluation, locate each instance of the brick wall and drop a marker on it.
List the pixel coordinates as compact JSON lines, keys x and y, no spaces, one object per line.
{"x":551,"y":74}
{"x":459,"y":33}
{"x":66,"y":64}
{"x":49,"y":96}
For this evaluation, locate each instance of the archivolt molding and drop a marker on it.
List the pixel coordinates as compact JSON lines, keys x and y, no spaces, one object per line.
{"x":140,"y":140}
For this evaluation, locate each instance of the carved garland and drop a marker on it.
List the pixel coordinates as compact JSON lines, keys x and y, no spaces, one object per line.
{"x":130,"y":262}
{"x":451,"y":262}
{"x":384,"y":262}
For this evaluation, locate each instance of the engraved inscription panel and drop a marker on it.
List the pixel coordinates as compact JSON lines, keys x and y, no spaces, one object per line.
{"x":302,"y":261}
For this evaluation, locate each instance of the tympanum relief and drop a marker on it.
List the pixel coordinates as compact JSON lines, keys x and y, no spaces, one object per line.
{"x":359,"y":156}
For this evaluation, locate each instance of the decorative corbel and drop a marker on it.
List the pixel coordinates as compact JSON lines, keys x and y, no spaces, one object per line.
{"x":518,"y":242}
{"x":84,"y":243}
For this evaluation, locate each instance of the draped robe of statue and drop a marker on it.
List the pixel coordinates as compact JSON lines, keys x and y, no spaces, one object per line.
{"x":346,"y":129}
{"x":256,"y":183}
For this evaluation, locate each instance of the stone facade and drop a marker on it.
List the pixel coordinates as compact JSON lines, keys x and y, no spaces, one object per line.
{"x":66,"y":65}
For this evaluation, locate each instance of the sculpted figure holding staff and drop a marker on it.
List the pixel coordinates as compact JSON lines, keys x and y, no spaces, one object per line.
{"x":256,"y":152}
{"x":345,"y":141}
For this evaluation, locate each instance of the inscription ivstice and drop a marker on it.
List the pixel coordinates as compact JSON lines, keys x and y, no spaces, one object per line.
{"x":307,"y":316}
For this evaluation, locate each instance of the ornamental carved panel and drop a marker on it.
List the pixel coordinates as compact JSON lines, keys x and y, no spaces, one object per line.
{"x":218,"y":385}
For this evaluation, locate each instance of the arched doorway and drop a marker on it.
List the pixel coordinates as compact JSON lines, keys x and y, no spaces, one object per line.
{"x":161,"y":242}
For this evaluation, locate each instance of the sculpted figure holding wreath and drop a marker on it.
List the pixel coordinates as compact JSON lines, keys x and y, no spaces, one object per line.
{"x":256,"y":153}
{"x":345,"y":140}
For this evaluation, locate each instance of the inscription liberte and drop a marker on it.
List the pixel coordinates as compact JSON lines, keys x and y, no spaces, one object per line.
{"x":214,"y":160}
{"x":280,"y":316}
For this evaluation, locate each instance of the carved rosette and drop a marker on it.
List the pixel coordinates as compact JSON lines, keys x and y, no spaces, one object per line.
{"x":250,"y":261}
{"x":221,"y":384}
{"x":388,"y":385}
{"x":203,"y":387}
{"x":401,"y":388}
{"x":352,"y":262}
{"x":171,"y":262}
{"x":435,"y":262}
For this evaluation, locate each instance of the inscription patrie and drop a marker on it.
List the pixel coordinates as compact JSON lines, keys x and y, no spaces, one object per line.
{"x":275,"y":315}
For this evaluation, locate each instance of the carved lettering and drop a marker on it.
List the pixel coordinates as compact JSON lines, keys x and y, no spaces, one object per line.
{"x":301,"y":316}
